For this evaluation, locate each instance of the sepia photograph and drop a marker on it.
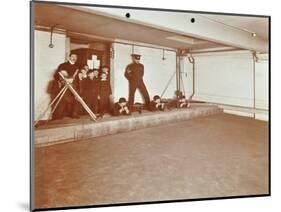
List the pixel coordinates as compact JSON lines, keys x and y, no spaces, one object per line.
{"x":142,"y":105}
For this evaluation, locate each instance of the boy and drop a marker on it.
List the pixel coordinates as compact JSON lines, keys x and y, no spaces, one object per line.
{"x":92,"y":92}
{"x":181,"y":101}
{"x":105,"y":69}
{"x":83,"y":72}
{"x":104,"y":93}
{"x":156,"y":104}
{"x":121,"y":107}
{"x":82,"y":78}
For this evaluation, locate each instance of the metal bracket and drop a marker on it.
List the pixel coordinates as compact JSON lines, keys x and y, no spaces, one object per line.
{"x":255,"y":60}
{"x":192,"y":61}
{"x":190,"y":58}
{"x":255,"y":57}
{"x":51,"y":45}
{"x":163,"y":56}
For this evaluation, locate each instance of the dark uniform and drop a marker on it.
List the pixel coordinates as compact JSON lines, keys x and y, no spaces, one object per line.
{"x":118,"y":109}
{"x":68,"y":105}
{"x":83,"y":90}
{"x":92,"y":93}
{"x":104,"y":93}
{"x":156,"y":106}
{"x":182,"y":102}
{"x":134,"y":73}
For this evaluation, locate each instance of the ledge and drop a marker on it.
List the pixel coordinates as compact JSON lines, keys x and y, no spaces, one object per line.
{"x":84,"y":128}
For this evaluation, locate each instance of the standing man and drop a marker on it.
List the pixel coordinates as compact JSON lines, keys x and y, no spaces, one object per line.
{"x":68,"y":105}
{"x":134,"y":73}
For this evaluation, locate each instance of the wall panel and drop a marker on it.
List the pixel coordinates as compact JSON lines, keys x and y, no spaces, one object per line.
{"x":46,"y":60}
{"x":156,"y":75}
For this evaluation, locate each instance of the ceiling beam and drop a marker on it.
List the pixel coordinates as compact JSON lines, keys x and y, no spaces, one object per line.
{"x":179,"y":22}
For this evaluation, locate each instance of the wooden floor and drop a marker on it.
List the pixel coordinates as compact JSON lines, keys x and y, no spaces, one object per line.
{"x":214,"y":156}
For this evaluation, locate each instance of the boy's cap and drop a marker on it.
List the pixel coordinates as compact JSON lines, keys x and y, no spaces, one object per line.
{"x":156,"y":97}
{"x":93,"y":70}
{"x":121,"y":100}
{"x":178,"y":92}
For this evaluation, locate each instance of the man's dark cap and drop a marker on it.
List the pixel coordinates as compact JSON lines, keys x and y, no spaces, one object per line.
{"x":136,"y":56}
{"x":122,"y":99}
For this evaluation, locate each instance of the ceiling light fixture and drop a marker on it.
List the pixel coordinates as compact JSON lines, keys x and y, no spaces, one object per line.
{"x":185,"y":39}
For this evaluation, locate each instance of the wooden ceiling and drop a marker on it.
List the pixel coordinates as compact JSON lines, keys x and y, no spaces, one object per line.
{"x":86,"y":27}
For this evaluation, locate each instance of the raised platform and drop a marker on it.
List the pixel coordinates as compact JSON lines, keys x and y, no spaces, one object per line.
{"x":67,"y":130}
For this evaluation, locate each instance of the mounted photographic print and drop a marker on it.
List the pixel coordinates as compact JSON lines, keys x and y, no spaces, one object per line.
{"x":144,"y":105}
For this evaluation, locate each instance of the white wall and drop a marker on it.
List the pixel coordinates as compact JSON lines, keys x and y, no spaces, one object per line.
{"x":220,"y":77}
{"x":224,"y":78}
{"x":157,"y":72}
{"x":227,"y":78}
{"x":46,"y":60}
{"x":262,"y":82}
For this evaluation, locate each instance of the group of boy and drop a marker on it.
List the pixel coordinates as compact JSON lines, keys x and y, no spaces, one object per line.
{"x":93,"y":86}
{"x":95,"y":89}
